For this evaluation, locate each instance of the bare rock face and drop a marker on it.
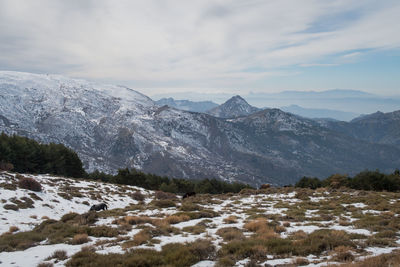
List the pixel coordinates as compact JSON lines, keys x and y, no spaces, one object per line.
{"x":113,"y":127}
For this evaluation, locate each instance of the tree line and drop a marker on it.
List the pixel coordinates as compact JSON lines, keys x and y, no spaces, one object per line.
{"x":28,"y":156}
{"x":365,"y":180}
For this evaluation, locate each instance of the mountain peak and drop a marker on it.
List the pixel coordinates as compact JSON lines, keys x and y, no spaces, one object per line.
{"x":236,"y":106}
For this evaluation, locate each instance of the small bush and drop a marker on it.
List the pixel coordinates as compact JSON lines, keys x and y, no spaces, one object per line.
{"x":231,"y":219}
{"x":11,"y":207}
{"x":230,"y":233}
{"x":343,"y":253}
{"x":45,"y":264}
{"x":133,"y":220}
{"x":30,"y":184}
{"x":137,"y":195}
{"x":59,"y":255}
{"x":164,"y":203}
{"x":80,"y":239}
{"x":173,"y":219}
{"x":195,"y":229}
{"x":6,"y":166}
{"x":13,"y":229}
{"x":189,"y":206}
{"x":301,"y":261}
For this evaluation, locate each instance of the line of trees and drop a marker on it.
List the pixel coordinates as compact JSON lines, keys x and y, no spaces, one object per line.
{"x":163,"y":183}
{"x":28,"y":156}
{"x":365,"y":180}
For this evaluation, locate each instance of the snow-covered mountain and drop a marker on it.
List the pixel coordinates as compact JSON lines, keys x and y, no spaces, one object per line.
{"x":201,"y":106}
{"x":113,"y":127}
{"x":233,"y":107}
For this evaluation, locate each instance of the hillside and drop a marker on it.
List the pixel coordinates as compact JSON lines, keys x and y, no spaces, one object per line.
{"x":146,"y":227}
{"x":200,"y":106}
{"x":113,"y":127}
{"x":379,"y":127}
{"x":314,"y":113}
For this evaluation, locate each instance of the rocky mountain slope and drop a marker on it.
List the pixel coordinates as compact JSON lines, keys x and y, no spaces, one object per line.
{"x":201,"y":106}
{"x":113,"y":127}
{"x":233,"y":107}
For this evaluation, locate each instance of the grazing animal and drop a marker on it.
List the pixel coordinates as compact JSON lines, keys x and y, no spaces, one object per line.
{"x":190,"y":194}
{"x":97,"y":207}
{"x":265,"y":186}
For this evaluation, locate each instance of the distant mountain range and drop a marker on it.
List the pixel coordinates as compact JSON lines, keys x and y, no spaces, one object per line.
{"x":113,"y":127}
{"x":315,"y":113}
{"x":201,"y":106}
{"x":352,"y":101}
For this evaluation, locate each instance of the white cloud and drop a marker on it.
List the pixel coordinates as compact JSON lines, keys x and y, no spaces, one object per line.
{"x":188,"y":43}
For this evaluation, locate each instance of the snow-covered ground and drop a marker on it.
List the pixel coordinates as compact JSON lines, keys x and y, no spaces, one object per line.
{"x":60,"y":196}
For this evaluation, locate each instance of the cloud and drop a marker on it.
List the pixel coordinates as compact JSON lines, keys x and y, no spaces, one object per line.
{"x":189,"y":43}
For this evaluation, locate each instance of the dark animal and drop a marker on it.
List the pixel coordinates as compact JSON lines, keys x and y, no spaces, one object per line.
{"x":97,"y":207}
{"x":190,"y":194}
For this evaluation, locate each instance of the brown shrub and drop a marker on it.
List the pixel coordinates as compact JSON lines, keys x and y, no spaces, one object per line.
{"x":164,"y":195}
{"x":137,"y":195}
{"x":173,"y":219}
{"x":300,"y":261}
{"x":6,"y":166}
{"x":230,"y":233}
{"x":260,"y":226}
{"x":11,"y":207}
{"x":45,"y":264}
{"x":392,"y":259}
{"x":30,"y":184}
{"x":13,"y":229}
{"x":343,"y":253}
{"x":59,"y":255}
{"x":80,"y":239}
{"x":142,"y":237}
{"x":164,"y":203}
{"x":133,"y":220}
{"x":230,"y":219}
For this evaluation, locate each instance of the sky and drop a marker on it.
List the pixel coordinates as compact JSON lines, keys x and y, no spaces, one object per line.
{"x":159,"y":47}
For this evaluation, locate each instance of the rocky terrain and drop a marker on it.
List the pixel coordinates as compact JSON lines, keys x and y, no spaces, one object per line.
{"x":113,"y":127}
{"x":274,"y":226}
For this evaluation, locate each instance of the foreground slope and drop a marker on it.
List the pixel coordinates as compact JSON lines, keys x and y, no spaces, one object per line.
{"x":113,"y":127}
{"x":273,"y":226}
